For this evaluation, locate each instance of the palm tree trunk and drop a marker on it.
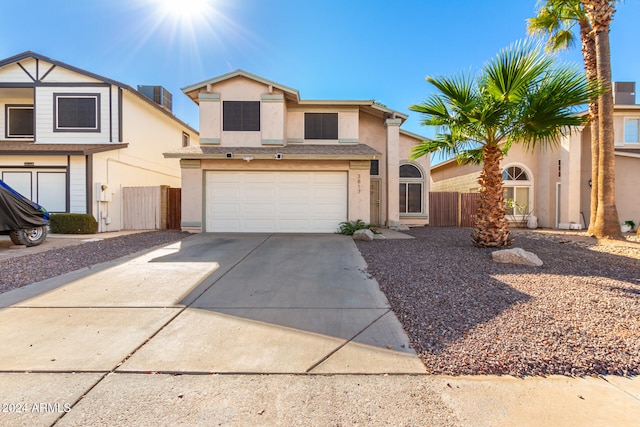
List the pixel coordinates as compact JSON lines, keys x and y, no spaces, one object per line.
{"x":491,"y":227}
{"x":591,"y":70}
{"x":607,"y":224}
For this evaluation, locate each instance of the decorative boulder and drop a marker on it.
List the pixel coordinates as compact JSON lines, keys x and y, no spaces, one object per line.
{"x":516,"y":256}
{"x":366,"y":235}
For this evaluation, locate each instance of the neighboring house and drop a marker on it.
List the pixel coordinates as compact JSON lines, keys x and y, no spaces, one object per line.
{"x":555,"y":184}
{"x":271,"y":162}
{"x":71,"y":139}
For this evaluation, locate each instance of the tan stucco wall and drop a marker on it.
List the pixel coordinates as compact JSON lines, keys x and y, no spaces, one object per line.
{"x":272,"y":114}
{"x":374,"y":134}
{"x":627,"y":189}
{"x":406,"y":145}
{"x":193,"y":196}
{"x":348,"y":126}
{"x":541,"y":165}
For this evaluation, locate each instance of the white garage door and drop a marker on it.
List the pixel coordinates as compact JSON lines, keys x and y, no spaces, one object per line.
{"x":284,"y":202}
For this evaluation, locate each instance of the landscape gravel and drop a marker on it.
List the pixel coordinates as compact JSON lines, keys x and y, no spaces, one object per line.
{"x":20,"y":271}
{"x":577,"y":315}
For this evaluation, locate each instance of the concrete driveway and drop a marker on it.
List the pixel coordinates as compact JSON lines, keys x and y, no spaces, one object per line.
{"x":236,"y":303}
{"x":184,"y":335}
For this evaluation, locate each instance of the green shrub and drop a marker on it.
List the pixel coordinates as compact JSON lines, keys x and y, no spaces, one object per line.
{"x":350,"y":227}
{"x":69,"y":223}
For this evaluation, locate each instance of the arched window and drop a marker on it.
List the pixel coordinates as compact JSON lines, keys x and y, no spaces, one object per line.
{"x":411,"y":190}
{"x":517,"y":190}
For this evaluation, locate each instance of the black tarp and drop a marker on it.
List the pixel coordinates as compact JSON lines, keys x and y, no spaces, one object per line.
{"x":17,"y":213}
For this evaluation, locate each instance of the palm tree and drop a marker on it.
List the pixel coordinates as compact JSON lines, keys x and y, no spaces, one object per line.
{"x":556,"y":19}
{"x":518,"y":97}
{"x":600,"y":13}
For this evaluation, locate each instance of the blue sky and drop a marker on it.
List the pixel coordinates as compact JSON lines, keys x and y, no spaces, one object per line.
{"x":326,"y":49}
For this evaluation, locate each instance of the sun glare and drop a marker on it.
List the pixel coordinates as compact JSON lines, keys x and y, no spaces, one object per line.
{"x":185,"y":8}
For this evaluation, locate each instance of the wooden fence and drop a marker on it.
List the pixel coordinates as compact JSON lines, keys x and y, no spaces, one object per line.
{"x":452,"y":209}
{"x":151,"y":208}
{"x":174,"y":212}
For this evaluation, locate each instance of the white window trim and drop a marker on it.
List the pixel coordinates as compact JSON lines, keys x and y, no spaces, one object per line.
{"x":521,"y":184}
{"x":422,"y":183}
{"x":58,"y":128}
{"x":17,"y":107}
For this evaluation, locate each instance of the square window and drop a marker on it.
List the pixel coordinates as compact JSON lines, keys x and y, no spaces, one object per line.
{"x":77,"y":112}
{"x":240,"y":116}
{"x":321,"y":125}
{"x":631,"y":127}
{"x":19,"y":121}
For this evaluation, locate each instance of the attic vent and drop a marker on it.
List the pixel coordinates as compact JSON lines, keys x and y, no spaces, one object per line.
{"x":624,"y":93}
{"x":157,"y":94}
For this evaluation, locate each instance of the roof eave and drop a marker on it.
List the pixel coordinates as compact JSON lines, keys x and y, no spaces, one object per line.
{"x":264,"y":156}
{"x":241,"y":73}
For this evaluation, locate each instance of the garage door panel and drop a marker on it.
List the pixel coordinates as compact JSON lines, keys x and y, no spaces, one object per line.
{"x":224,"y":193}
{"x":294,"y":178}
{"x":259,"y":209}
{"x":258,"y":225}
{"x":260,"y":195}
{"x":275,"y":201}
{"x":228,"y":224}
{"x":259,"y":178}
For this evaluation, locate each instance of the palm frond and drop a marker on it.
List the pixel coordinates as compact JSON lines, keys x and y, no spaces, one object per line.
{"x":509,"y":75}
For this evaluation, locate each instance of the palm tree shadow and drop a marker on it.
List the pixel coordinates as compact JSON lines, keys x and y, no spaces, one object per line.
{"x":442,"y":288}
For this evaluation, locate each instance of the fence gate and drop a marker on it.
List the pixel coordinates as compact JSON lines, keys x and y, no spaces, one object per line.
{"x":443,"y":209}
{"x":453,"y":209}
{"x":142,"y":208}
{"x":174,"y":212}
{"x":468,"y":209}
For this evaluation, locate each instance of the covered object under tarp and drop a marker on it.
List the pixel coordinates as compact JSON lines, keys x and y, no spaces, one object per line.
{"x":18,"y":212}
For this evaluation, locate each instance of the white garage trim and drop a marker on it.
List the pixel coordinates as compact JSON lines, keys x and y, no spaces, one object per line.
{"x":284,"y":202}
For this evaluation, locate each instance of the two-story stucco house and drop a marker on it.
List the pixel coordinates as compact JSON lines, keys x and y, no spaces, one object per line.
{"x":71,"y":140}
{"x":555,"y":184}
{"x":269,"y":161}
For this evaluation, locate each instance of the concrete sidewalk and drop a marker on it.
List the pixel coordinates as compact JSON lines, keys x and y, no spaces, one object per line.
{"x":252,"y":330}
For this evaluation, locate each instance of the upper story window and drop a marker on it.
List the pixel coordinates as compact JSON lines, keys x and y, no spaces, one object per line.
{"x":321,"y":125}
{"x":631,"y":127}
{"x":19,"y":121}
{"x":76,"y":112}
{"x":240,"y":116}
{"x":185,"y":139}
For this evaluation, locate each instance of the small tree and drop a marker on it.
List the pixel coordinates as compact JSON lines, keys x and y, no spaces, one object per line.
{"x":518,"y":97}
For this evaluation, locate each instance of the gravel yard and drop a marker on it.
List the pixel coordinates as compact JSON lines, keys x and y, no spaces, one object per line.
{"x":23,"y":270}
{"x":578,"y":314}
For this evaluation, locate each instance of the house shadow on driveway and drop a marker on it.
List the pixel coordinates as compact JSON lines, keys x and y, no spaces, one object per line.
{"x":279,"y":303}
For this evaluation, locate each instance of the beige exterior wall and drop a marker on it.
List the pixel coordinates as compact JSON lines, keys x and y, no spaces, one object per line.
{"x":424,"y":164}
{"x":348,"y":124}
{"x":541,"y":167}
{"x":451,"y":176}
{"x":282,"y":122}
{"x":149,"y":133}
{"x":628,"y":188}
{"x":193,"y":177}
{"x":272,"y":113}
